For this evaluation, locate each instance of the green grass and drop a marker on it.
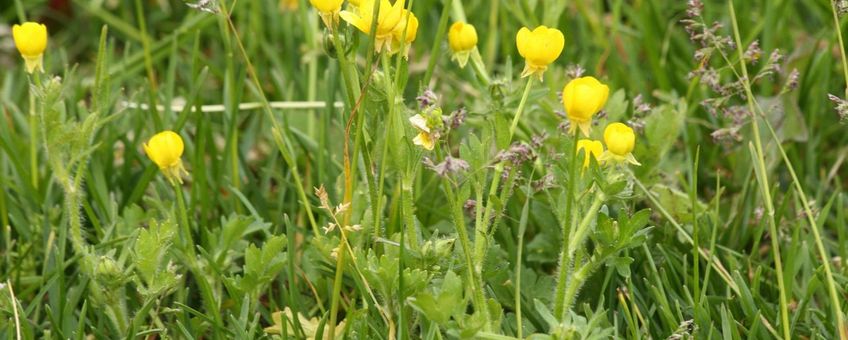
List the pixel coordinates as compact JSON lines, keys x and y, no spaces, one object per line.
{"x":733,"y":227}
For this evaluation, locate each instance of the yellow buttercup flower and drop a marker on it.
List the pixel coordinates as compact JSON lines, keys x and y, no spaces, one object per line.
{"x":620,"y":140}
{"x":582,"y":98}
{"x":408,"y":23}
{"x":462,"y":39}
{"x":31,"y":40}
{"x":165,"y":149}
{"x":539,"y":47}
{"x":591,"y":149}
{"x":328,"y":10}
{"x":388,"y":19}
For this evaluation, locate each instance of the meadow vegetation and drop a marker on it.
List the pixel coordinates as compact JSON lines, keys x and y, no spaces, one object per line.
{"x":423,"y":169}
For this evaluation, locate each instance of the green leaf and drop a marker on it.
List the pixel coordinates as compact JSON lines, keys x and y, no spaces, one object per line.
{"x":261,"y":266}
{"x":622,"y":265}
{"x":501,"y":125}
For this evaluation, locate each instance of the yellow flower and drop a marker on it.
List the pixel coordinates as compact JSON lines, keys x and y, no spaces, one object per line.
{"x":355,"y":2}
{"x":582,"y":98}
{"x":424,"y":138}
{"x":165,"y":149}
{"x":388,"y":19}
{"x":31,"y":40}
{"x":620,"y":141}
{"x":591,"y":149}
{"x":289,"y":5}
{"x":328,"y":10}
{"x":408,"y":23}
{"x":462,"y":39}
{"x":539,"y":47}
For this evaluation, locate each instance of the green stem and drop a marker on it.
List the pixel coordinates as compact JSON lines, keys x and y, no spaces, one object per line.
{"x":520,"y":107}
{"x":381,"y":180}
{"x":522,"y":227}
{"x":577,"y":280}
{"x":764,"y":185}
{"x":188,"y":246}
{"x":33,"y":131}
{"x":185,"y":229}
{"x":437,"y":43}
{"x":477,"y":296}
{"x":279,"y":133}
{"x":567,"y":227}
{"x":482,"y":227}
{"x":838,"y":27}
{"x":408,"y":215}
{"x":583,"y":228}
{"x":480,"y":67}
{"x":693,"y":187}
{"x":337,"y":287}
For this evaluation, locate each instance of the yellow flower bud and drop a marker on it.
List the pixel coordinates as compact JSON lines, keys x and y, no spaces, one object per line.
{"x":165,"y":149}
{"x":582,"y":98}
{"x":328,"y":10}
{"x":355,"y":2}
{"x":591,"y":149}
{"x":31,"y":40}
{"x":620,"y":141}
{"x":388,"y":20}
{"x":539,"y":47}
{"x":462,"y":39}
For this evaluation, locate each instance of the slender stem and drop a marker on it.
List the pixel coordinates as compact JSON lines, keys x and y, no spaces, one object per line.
{"x":480,"y":67}
{"x":185,"y":229}
{"x":838,"y":27}
{"x":437,"y":43}
{"x":278,"y":131}
{"x":389,"y":124}
{"x":565,"y":260}
{"x":522,"y":227}
{"x":407,"y":210}
{"x":693,"y":187}
{"x":577,"y":280}
{"x":337,"y":285}
{"x":188,"y":245}
{"x":482,"y":227}
{"x":33,"y":140}
{"x":764,"y":185}
{"x":520,"y":107}
{"x":582,"y":230}
{"x":476,"y":287}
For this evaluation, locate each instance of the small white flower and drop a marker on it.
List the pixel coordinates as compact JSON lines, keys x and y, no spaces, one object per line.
{"x":419,"y":122}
